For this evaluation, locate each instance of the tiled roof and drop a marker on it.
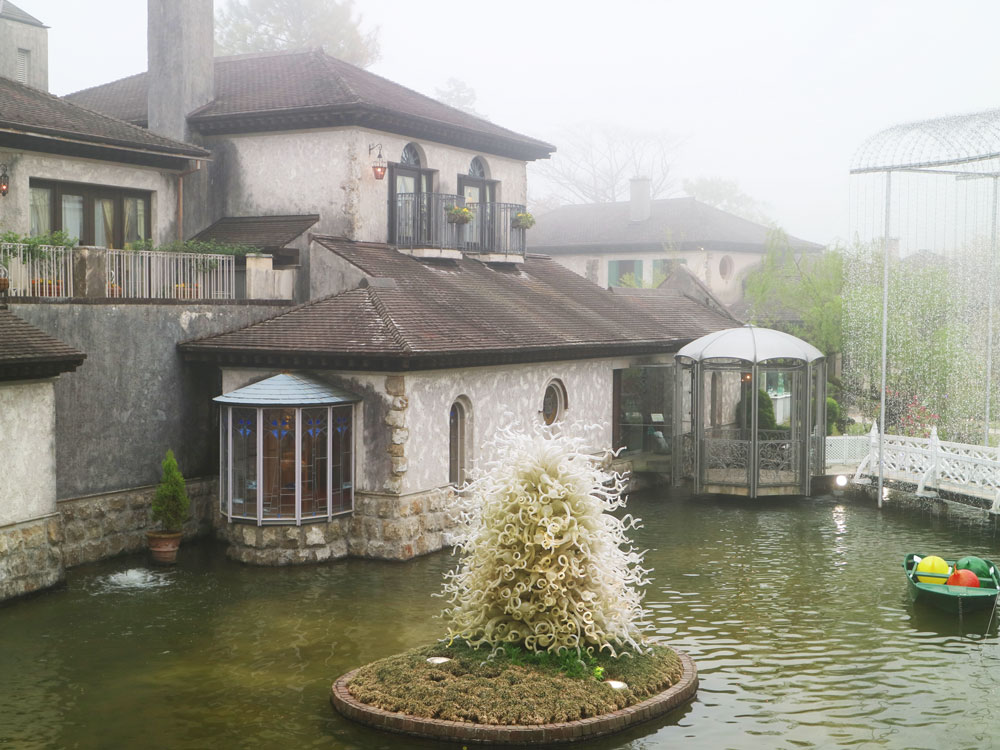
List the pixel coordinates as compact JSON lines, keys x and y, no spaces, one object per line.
{"x":12,"y":12}
{"x":265,"y":232}
{"x":28,"y":112}
{"x":679,"y":223}
{"x":28,"y":352}
{"x":286,"y":389}
{"x":422,"y":314}
{"x":285,"y":90}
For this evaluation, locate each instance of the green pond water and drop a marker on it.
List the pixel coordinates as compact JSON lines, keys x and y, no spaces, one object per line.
{"x":795,"y":611}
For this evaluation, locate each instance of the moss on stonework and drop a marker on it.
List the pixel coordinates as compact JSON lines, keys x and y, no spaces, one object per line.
{"x":497,"y":691}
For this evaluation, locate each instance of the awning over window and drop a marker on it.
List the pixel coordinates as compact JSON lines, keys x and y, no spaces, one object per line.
{"x":288,"y":390}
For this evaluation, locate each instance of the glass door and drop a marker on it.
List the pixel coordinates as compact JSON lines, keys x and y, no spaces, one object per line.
{"x":480,"y":195}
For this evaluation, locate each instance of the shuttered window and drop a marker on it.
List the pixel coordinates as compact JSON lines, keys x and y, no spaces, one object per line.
{"x":23,"y":64}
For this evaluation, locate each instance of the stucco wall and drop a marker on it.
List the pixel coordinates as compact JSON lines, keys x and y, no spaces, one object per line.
{"x":402,"y":427}
{"x":35,"y":39}
{"x":27,"y":451}
{"x":133,"y":397}
{"x":25,"y":165}
{"x":329,"y":172}
{"x":496,"y":396}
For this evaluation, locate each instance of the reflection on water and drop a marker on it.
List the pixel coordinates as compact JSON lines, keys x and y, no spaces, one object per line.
{"x":795,"y":611}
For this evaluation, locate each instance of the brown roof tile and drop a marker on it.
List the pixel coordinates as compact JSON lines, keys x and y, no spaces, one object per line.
{"x":26,"y":351}
{"x":680,"y":223}
{"x":282,"y":90}
{"x":444,"y":313}
{"x":28,"y":112}
{"x":265,"y":232}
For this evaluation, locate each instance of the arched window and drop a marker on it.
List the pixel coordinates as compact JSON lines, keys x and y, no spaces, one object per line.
{"x":477,"y":168}
{"x":458,"y":443}
{"x":553,"y":402}
{"x":410,"y":156}
{"x":410,"y":189}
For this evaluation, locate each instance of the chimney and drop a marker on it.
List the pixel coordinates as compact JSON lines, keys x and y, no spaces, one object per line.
{"x":638,"y":199}
{"x":180,"y":48}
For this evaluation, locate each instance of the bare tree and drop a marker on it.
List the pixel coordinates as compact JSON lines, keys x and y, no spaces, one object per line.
{"x":266,"y":25}
{"x":727,"y":195}
{"x":595,"y":164}
{"x":458,"y":94}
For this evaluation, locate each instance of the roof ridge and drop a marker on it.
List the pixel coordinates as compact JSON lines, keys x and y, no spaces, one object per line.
{"x":386,"y":317}
{"x":326,"y":60}
{"x":144,"y":131}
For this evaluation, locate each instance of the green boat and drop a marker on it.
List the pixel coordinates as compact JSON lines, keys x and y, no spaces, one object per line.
{"x":951,"y":598}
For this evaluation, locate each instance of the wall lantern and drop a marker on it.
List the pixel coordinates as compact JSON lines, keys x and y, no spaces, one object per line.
{"x":379,"y":165}
{"x":4,"y":180}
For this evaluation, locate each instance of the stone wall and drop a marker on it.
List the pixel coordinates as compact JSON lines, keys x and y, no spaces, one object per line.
{"x":30,"y":557}
{"x":382,"y":526}
{"x":100,"y":526}
{"x":133,"y":397}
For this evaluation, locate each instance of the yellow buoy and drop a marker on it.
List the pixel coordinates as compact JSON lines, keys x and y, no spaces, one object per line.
{"x":932,"y":564}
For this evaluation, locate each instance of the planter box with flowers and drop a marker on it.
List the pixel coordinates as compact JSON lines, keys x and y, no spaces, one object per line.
{"x":186,"y":291}
{"x":523,"y":220}
{"x":459,"y":214}
{"x":46,"y":288}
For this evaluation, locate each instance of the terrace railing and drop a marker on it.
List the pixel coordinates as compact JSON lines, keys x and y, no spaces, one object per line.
{"x":492,"y":230}
{"x":43,"y":271}
{"x":421,"y":221}
{"x":150,"y":274}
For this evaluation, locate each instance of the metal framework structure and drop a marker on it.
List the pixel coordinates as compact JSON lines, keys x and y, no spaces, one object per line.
{"x":928,"y":191}
{"x":723,"y":447}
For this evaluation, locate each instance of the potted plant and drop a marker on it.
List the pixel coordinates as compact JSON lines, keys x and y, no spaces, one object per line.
{"x":170,"y":511}
{"x":523,"y":220}
{"x":458,"y":214}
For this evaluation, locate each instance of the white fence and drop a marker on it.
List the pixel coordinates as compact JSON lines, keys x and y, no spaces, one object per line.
{"x":933,"y":463}
{"x":150,"y":274}
{"x":43,"y":271}
{"x":846,"y":449}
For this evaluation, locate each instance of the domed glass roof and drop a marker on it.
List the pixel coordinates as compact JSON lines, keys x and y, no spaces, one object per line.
{"x":750,"y":344}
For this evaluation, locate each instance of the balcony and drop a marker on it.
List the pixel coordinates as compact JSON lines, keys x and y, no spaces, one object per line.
{"x":422,"y":227}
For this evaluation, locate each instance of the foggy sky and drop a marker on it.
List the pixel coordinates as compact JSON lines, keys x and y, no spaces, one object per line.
{"x":776,"y":95}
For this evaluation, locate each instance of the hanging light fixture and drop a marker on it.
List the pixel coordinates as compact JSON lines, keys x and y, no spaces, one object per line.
{"x":4,"y":180}
{"x":378,"y":166}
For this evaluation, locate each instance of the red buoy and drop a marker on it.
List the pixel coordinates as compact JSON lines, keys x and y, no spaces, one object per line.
{"x":963,"y":578}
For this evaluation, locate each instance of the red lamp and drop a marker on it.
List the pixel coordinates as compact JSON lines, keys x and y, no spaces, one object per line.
{"x":379,"y":166}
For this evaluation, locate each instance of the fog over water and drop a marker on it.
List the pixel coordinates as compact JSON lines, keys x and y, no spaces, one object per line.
{"x":776,"y":95}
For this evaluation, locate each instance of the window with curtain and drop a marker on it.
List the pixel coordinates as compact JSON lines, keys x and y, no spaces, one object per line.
{"x":94,"y":215}
{"x":41,"y":210}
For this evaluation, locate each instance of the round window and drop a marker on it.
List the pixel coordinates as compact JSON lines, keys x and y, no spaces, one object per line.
{"x":553,"y":403}
{"x":726,"y":267}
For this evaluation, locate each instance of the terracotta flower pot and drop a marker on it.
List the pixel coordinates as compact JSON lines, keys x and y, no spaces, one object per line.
{"x":163,"y":546}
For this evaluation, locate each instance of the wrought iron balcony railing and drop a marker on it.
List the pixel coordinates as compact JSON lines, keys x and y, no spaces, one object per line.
{"x":423,"y":220}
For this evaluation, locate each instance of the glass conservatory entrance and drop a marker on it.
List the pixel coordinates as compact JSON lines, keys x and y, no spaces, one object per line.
{"x":750,"y":413}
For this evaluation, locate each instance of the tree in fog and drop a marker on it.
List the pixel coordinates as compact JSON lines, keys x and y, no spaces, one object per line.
{"x":267,"y":25}
{"x":458,"y":94}
{"x":594,"y":165}
{"x":727,"y":195}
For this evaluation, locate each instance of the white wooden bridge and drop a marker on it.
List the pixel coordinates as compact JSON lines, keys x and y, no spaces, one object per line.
{"x":934,"y":465}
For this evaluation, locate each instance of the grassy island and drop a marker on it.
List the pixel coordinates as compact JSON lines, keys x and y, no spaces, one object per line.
{"x":511,"y":688}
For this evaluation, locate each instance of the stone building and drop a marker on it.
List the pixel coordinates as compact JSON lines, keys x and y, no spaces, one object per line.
{"x":338,"y":426}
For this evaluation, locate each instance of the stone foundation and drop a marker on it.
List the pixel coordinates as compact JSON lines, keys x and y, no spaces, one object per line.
{"x":99,"y":526}
{"x":30,"y":556}
{"x":382,"y":526}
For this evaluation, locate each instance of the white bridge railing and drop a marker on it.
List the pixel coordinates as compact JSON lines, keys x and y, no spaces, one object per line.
{"x":934,"y":463}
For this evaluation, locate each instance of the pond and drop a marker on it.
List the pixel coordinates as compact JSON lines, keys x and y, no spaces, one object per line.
{"x":795,"y":611}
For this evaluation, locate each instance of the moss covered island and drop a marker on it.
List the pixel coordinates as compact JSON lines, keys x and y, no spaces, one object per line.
{"x":499,"y":691}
